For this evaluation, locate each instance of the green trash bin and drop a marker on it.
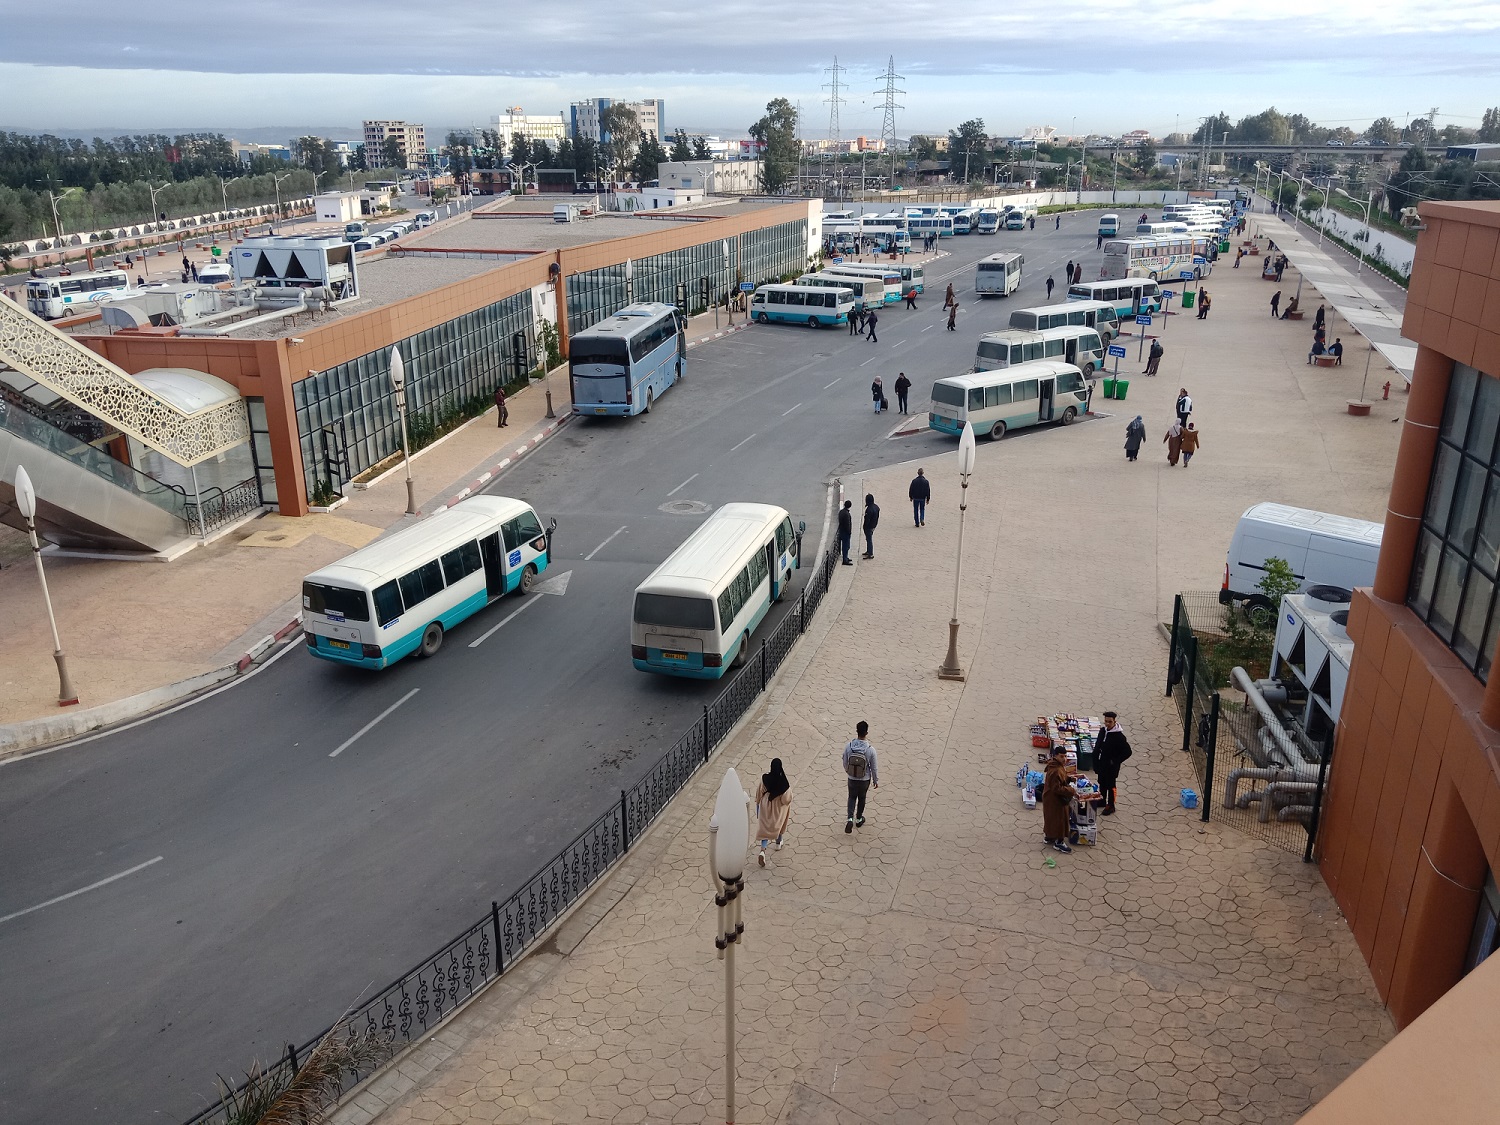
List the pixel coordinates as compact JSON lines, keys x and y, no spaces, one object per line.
{"x":1121,"y":386}
{"x":1224,"y":246}
{"x":1109,"y":387}
{"x":1188,"y":297}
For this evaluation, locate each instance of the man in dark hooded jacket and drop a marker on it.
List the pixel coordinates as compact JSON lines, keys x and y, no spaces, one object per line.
{"x":1111,"y":749}
{"x":872,"y":517}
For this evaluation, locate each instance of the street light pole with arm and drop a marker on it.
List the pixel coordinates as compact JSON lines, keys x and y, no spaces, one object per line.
{"x":278,"y":179}
{"x":951,"y":669}
{"x":398,"y":385}
{"x":26,"y":504}
{"x":1369,"y":202}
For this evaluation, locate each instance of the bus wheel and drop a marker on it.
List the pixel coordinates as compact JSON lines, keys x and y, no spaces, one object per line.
{"x":432,"y":639}
{"x":1070,"y":415}
{"x":997,"y":431}
{"x":744,"y":653}
{"x":812,"y":322}
{"x":1088,"y":370}
{"x":650,"y":398}
{"x":528,"y":579}
{"x":764,"y":318}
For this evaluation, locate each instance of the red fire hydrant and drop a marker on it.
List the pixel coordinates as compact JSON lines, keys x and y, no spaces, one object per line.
{"x":1386,"y":392}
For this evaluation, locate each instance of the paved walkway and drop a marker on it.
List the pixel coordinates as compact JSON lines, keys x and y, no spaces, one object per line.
{"x":936,"y":965}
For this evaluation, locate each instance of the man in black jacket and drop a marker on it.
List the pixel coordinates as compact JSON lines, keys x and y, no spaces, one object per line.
{"x":872,"y":518}
{"x":919,"y":493}
{"x":1111,"y":749}
{"x":846,"y":530}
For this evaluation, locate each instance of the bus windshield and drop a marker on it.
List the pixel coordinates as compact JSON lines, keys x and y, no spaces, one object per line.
{"x":675,"y":612}
{"x":948,"y":394}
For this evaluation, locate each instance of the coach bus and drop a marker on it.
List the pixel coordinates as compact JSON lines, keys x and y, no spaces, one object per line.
{"x":999,"y":275}
{"x":693,"y":615}
{"x":889,"y":276}
{"x":622,"y":365}
{"x":869,"y":292}
{"x":401,"y":594}
{"x":1161,"y":257}
{"x":1098,"y":315}
{"x":53,"y":297}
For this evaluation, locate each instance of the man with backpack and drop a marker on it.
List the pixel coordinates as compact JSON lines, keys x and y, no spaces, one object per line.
{"x":861,"y":771}
{"x":1111,"y":749}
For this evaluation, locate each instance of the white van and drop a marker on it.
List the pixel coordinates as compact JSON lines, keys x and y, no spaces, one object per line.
{"x":1322,"y":550}
{"x":1109,"y":226}
{"x":565,"y":213}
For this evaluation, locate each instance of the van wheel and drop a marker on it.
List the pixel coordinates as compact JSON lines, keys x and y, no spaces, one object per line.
{"x":1070,"y":415}
{"x":1088,"y":370}
{"x":812,"y":322}
{"x":997,"y":431}
{"x":432,"y":639}
{"x":528,"y":579}
{"x":650,"y":398}
{"x":743,"y":654}
{"x":764,"y":318}
{"x":1260,"y":612}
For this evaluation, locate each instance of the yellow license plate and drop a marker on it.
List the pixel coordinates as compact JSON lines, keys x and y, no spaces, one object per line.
{"x":674,"y":656}
{"x":338,"y":644}
{"x":600,"y":410}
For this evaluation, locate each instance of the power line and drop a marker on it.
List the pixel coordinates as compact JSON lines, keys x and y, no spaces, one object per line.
{"x":890,"y":106}
{"x":834,"y":101}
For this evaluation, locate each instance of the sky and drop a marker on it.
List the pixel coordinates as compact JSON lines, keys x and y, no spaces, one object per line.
{"x":175,"y":63}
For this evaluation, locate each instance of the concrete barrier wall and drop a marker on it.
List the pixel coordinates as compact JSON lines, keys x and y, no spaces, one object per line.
{"x":1397,"y":252}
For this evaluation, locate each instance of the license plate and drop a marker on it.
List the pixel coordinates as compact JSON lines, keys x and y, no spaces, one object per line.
{"x":674,"y":656}
{"x":600,"y":410}
{"x":338,"y":644}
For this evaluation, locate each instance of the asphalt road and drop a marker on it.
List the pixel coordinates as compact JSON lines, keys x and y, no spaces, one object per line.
{"x":241,"y":887}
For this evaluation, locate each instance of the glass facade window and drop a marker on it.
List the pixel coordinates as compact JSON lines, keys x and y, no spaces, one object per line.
{"x":1457,"y":562}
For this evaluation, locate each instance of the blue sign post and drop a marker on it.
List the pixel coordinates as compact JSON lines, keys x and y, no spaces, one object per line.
{"x":1144,"y":320}
{"x":747,"y":287}
{"x":1185,"y":275}
{"x":1117,"y":351}
{"x":836,"y":260}
{"x":1167,"y":296}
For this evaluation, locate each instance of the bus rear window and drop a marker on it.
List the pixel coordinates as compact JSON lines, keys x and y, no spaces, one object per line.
{"x":674,"y":612}
{"x":992,"y":349}
{"x":1081,"y":291}
{"x":353,"y":605}
{"x":947,"y":394}
{"x":588,"y":349}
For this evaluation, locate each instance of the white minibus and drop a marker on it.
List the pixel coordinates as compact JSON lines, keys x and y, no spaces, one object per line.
{"x":693,"y":615}
{"x":889,"y":275}
{"x":400,"y":594}
{"x":1109,"y":225}
{"x":813,"y":305}
{"x":1075,"y":344}
{"x":1101,"y":316}
{"x":1129,"y":296}
{"x":869,"y":292}
{"x":996,"y":402}
{"x":999,"y":275}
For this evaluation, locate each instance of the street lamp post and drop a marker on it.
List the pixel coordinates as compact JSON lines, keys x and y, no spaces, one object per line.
{"x":728,"y":838}
{"x":26,"y":503}
{"x":951,"y":669}
{"x":398,"y":385}
{"x":278,"y":179}
{"x":153,"y":189}
{"x":1368,"y":204}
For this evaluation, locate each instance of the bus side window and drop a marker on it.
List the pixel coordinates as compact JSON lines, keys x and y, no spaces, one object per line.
{"x":387,"y":603}
{"x":976,"y":398}
{"x":795,"y":298}
{"x":1054,"y":348}
{"x":1026,"y":390}
{"x":421,"y":584}
{"x":991,"y":396}
{"x":1077,"y":317}
{"x":1015,"y":353}
{"x":510,"y":532}
{"x":461,"y":562}
{"x":1002,"y":394}
{"x":777,"y":297}
{"x":1034,"y":351}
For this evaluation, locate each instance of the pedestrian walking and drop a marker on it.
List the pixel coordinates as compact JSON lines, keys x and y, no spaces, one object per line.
{"x":1202,"y":293}
{"x":1057,"y":798}
{"x":186,"y":265}
{"x":919,"y":493}
{"x":871,"y":320}
{"x":903,"y":387}
{"x":911,"y":297}
{"x":1111,"y":751}
{"x":773,"y":808}
{"x":1238,"y":256}
{"x":877,"y":392}
{"x":1068,"y":269}
{"x":1077,"y":274}
{"x":871,"y":521}
{"x":1275,"y":301}
{"x":1153,"y":358}
{"x":1208,"y":303}
{"x":1058,"y":225}
{"x":856,"y":322}
{"x":862,"y":773}
{"x":1032,"y":222}
{"x":1319,"y":317}
{"x":1280,"y":265}
{"x":1173,"y":439}
{"x":502,"y":412}
{"x":846,"y":530}
{"x":1135,"y":433}
{"x":1189,"y":444}
{"x":1184,"y":405}
{"x":953,"y":317}
{"x":1049,"y":287}
{"x":193,"y":269}
{"x":949,"y":300}
{"x":1098,"y":242}
{"x":1336,"y":349}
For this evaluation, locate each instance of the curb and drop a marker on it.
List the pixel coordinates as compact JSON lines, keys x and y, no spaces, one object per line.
{"x":717,"y":335}
{"x":526,"y":447}
{"x":18,"y":739}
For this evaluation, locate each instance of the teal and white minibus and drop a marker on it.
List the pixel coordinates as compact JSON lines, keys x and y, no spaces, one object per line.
{"x":694,"y":614}
{"x":1072,"y":343}
{"x":622,"y":365}
{"x":912,"y":277}
{"x":1109,"y":225}
{"x":1128,"y":295}
{"x":1098,"y":315}
{"x":869,"y":292}
{"x":996,"y":402}
{"x":812,"y":305}
{"x":890,"y":276}
{"x":400,"y":594}
{"x":989,"y":221}
{"x":999,"y":275}
{"x":921,"y":226}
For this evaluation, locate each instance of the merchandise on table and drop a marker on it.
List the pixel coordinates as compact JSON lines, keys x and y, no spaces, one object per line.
{"x":1077,"y":735}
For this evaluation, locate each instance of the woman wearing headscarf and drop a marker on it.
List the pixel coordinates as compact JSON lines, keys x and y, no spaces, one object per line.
{"x":773,"y":807}
{"x":1135,"y":433}
{"x":1057,"y":798}
{"x":1174,"y":443}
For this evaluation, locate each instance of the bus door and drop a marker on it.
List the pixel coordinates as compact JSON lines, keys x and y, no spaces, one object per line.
{"x":525,"y":546}
{"x":494,"y":564}
{"x":1044,"y":406}
{"x":1071,"y":354}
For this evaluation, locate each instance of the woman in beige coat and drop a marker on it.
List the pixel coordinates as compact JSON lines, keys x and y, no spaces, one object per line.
{"x":773,"y":807}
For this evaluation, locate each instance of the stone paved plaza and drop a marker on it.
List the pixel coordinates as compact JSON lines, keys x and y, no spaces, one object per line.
{"x":934,"y":966}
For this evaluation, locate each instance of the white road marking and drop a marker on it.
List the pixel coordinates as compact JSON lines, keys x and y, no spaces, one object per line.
{"x":617,"y":531}
{"x":786,"y":412}
{"x":674,"y":492}
{"x":507,"y":619}
{"x":743,"y":440}
{"x":929,"y":328}
{"x":371,"y":724}
{"x":898,"y":343}
{"x":555,"y":585}
{"x":869,"y":361}
{"x":831,"y":384}
{"x":81,"y":890}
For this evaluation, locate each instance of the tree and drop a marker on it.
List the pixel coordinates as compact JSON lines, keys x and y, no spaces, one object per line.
{"x":700,"y":149}
{"x":650,"y":154}
{"x":520,"y":149}
{"x":1404,"y":188}
{"x":460,"y":152}
{"x":1489,"y":127}
{"x":1214,"y":129}
{"x":681,"y":148}
{"x":1268,"y":127}
{"x":1145,"y":156}
{"x":621,"y":131}
{"x":392,"y":154}
{"x":357,"y":159}
{"x":1383,"y":131}
{"x":565,"y":157}
{"x":922,"y":148}
{"x":777,"y":133}
{"x":586,"y":157}
{"x":968,"y":146}
{"x":541,"y":153}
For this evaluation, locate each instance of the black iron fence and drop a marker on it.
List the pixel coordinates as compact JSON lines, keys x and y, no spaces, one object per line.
{"x":1254,"y":772}
{"x":432,"y":990}
{"x":215,"y":507}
